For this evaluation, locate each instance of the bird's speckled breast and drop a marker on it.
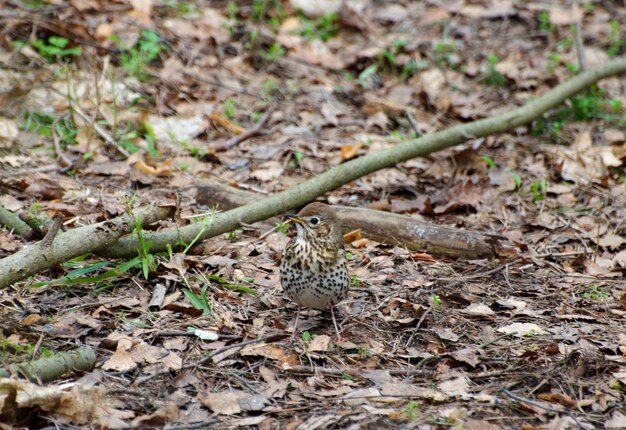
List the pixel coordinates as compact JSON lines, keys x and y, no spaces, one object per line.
{"x":314,"y":275}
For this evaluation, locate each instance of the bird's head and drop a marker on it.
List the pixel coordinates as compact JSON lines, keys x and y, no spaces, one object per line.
{"x":318,"y":223}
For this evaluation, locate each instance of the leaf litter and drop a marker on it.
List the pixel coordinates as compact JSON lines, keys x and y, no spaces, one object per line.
{"x":427,"y":342}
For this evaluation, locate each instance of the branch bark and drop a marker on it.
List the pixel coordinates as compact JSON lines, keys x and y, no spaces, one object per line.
{"x":13,"y":222}
{"x":334,"y":178}
{"x":381,"y":226}
{"x":41,"y":255}
{"x":50,"y":368}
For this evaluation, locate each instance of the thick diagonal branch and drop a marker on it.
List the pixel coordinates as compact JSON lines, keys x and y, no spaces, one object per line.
{"x":359,"y":167}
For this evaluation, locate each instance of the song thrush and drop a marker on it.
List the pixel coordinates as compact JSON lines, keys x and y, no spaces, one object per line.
{"x":313,"y":270}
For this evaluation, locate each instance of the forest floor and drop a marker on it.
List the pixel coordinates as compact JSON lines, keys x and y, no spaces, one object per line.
{"x":534,"y":341}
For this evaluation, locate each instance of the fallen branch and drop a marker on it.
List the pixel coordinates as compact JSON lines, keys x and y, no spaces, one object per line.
{"x":14,"y":223}
{"x":50,"y":368}
{"x":380,"y":226}
{"x":42,"y":255}
{"x":337,"y":176}
{"x":39,"y":222}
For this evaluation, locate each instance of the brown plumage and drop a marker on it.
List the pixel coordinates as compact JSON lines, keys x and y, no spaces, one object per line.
{"x":313,"y":270}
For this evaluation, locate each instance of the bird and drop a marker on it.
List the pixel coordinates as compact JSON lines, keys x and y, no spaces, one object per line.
{"x":313,"y":270}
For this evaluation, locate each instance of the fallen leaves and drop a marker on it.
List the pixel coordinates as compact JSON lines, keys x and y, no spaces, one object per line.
{"x":414,"y":352}
{"x":79,"y":404}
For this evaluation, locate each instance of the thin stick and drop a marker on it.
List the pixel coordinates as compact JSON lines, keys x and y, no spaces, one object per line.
{"x":359,"y":373}
{"x":57,"y":147}
{"x":53,"y":229}
{"x":102,"y":132}
{"x":580,"y":47}
{"x":414,"y":125}
{"x":546,"y":408}
{"x":251,"y":132}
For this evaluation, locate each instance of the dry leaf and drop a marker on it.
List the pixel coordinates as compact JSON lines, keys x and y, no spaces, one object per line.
{"x":350,"y":151}
{"x":269,"y":351}
{"x":319,"y":344}
{"x":361,"y":243}
{"x":470,"y":356}
{"x":221,"y":120}
{"x":478,"y":309}
{"x":223,"y":403}
{"x":422,"y":256}
{"x":559,"y":398}
{"x":165,"y":169}
{"x":353,"y":235}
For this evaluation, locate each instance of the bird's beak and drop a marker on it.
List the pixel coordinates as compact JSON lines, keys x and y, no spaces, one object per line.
{"x":295,"y":218}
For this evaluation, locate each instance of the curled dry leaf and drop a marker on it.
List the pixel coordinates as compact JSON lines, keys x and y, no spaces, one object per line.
{"x":350,"y":151}
{"x":422,"y":256}
{"x":165,"y":169}
{"x":220,"y":119}
{"x":353,"y":235}
{"x":559,"y":398}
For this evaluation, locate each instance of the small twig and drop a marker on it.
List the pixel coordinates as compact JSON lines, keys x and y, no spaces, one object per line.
{"x":580,"y":47}
{"x":417,"y":327}
{"x":564,"y":254}
{"x":252,"y":188}
{"x":414,"y":125}
{"x":312,"y":370}
{"x":478,"y":275}
{"x":57,"y":147}
{"x":544,"y":407}
{"x":102,"y":132}
{"x":251,"y":132}
{"x":53,"y":229}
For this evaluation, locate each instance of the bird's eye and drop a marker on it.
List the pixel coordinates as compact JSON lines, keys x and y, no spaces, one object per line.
{"x":315,"y":220}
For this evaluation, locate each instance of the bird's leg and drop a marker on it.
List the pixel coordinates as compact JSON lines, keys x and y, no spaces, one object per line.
{"x":295,"y":326}
{"x":332,"y":314}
